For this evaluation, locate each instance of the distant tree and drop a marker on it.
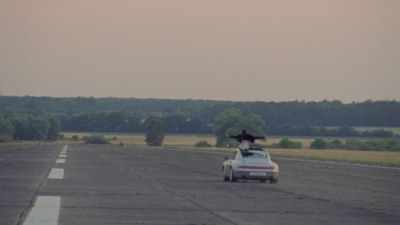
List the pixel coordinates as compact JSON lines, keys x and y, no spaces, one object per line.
{"x":32,"y":105}
{"x":134,"y":124}
{"x":224,"y":121}
{"x":31,"y":125}
{"x":174,"y":123}
{"x":21,"y":127}
{"x":232,"y":121}
{"x":199,"y":126}
{"x":38,"y":128}
{"x":6,"y":129}
{"x":6,"y":126}
{"x":167,"y":110}
{"x":155,"y":132}
{"x":117,"y":122}
{"x":54,"y":129}
{"x":84,"y":104}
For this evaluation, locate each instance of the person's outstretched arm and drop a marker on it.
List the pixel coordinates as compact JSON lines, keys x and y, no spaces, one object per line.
{"x":229,"y":136}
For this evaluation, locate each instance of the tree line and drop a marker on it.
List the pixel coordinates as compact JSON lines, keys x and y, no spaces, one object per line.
{"x":323,"y":113}
{"x":125,"y":122}
{"x":296,"y":118}
{"x":38,"y":125}
{"x":232,"y":120}
{"x":306,"y":129}
{"x":28,"y":125}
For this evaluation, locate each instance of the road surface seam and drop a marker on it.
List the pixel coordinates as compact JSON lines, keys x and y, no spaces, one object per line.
{"x":187,"y":199}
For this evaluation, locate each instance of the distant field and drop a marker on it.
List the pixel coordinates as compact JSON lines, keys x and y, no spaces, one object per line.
{"x":395,"y":130}
{"x":139,"y":139}
{"x":178,"y":140}
{"x":189,"y":141}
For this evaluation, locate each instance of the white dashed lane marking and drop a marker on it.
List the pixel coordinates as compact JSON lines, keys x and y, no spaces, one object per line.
{"x":65,"y":148}
{"x":63,"y":155}
{"x":56,"y":173}
{"x":47,"y":208}
{"x":60,"y":161}
{"x":45,"y":211}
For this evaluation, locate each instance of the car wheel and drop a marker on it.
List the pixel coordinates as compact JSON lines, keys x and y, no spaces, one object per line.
{"x":224,"y":171}
{"x":273,"y":180}
{"x":232,"y":176}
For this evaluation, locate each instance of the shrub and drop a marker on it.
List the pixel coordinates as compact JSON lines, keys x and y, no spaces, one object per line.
{"x":373,"y":145}
{"x":75,"y":137}
{"x":5,"y":138}
{"x":319,"y":143}
{"x":336,"y":144}
{"x":202,"y":144}
{"x":286,"y":143}
{"x":96,"y":140}
{"x":229,"y":143}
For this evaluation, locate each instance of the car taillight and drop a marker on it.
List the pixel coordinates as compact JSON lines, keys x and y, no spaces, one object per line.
{"x":257,"y":167}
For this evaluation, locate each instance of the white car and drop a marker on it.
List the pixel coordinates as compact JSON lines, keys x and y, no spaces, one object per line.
{"x":251,"y":164}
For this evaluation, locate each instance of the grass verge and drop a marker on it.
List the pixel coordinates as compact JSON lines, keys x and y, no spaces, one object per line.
{"x":189,"y":141}
{"x":390,"y":159}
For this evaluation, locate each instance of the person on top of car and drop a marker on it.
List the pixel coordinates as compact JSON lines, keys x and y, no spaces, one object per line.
{"x":244,"y":139}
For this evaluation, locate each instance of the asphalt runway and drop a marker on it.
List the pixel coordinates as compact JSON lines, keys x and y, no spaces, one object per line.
{"x":110,"y":185}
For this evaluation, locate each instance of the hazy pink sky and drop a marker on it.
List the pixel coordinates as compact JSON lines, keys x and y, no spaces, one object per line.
{"x":265,"y":50}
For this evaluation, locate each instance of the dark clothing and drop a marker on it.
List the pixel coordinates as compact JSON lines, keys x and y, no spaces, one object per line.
{"x":245,"y":137}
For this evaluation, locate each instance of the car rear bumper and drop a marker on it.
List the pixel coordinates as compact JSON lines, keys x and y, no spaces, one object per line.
{"x":256,"y":175}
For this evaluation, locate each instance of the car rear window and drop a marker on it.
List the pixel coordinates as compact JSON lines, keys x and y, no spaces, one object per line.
{"x":253,"y":154}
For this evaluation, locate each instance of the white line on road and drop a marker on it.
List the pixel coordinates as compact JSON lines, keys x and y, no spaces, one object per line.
{"x":45,"y":211}
{"x":60,"y":161}
{"x":64,"y":150}
{"x":47,"y":208}
{"x":56,"y":173}
{"x":63,"y":153}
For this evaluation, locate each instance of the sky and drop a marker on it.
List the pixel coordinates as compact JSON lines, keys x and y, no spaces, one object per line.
{"x":260,"y":50}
